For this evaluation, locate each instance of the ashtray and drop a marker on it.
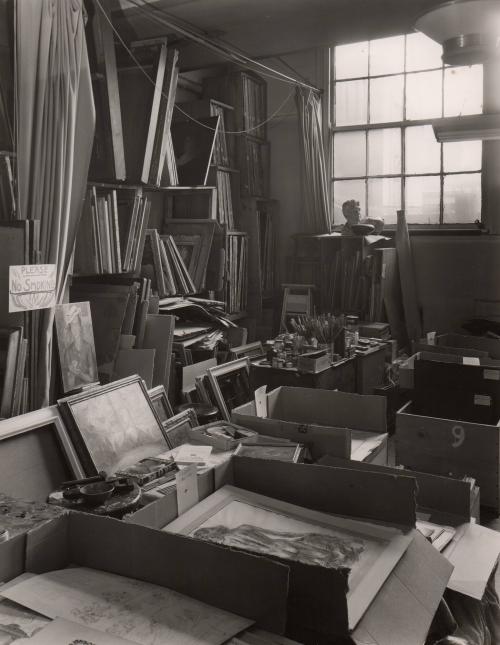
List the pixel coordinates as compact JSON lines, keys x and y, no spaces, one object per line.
{"x":97,"y":493}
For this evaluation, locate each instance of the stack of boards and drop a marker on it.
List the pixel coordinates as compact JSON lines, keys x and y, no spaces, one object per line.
{"x":112,"y":229}
{"x":163,"y":264}
{"x":13,"y":384}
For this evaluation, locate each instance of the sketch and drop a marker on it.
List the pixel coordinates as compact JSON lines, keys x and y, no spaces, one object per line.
{"x":66,"y":632}
{"x":332,"y":551}
{"x":117,"y":425}
{"x":75,"y":340}
{"x":291,"y":452}
{"x":232,"y":516}
{"x":131,"y":609}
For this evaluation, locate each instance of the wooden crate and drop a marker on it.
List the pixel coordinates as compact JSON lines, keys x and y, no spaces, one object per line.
{"x":451,"y":447}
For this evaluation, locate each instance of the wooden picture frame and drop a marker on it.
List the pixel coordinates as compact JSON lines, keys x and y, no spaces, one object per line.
{"x":251,"y":350}
{"x":232,"y":508}
{"x":230,"y":385}
{"x":31,"y":475}
{"x":291,"y":452}
{"x":113,"y":426}
{"x":199,"y":235}
{"x":159,"y":399}
{"x":177,"y":427}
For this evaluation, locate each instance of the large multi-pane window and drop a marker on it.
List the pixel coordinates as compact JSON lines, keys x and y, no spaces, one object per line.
{"x":385,"y":155}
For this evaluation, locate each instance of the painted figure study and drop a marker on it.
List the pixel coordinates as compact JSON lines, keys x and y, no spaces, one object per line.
{"x":332,"y":551}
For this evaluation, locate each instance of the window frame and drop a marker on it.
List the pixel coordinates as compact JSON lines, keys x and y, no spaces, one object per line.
{"x":402,"y":126}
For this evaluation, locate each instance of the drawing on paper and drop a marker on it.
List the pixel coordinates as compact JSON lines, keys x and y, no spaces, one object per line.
{"x":332,"y":551}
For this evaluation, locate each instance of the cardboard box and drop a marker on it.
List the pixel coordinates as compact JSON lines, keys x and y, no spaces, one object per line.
{"x":160,"y":558}
{"x":321,"y":419}
{"x":490,"y":345}
{"x":475,"y":549}
{"x":445,"y":500}
{"x":451,"y":447}
{"x":407,"y":369}
{"x":447,"y":349}
{"x":317,"y":610}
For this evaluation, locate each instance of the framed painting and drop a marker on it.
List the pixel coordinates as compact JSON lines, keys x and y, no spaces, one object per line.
{"x":161,"y":404}
{"x":37,"y":454}
{"x":252,"y":350}
{"x":245,"y":520}
{"x":281,"y":452}
{"x":114,"y":426}
{"x":230,"y":385}
{"x":177,"y":427}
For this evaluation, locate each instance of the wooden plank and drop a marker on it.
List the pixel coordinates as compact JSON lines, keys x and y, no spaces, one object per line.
{"x":408,"y":282}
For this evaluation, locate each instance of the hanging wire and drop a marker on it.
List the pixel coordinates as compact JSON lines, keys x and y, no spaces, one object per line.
{"x":177,"y":107}
{"x":220,"y":47}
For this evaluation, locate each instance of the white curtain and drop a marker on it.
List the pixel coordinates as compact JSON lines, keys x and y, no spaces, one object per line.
{"x":318,"y":213}
{"x":55,"y":130}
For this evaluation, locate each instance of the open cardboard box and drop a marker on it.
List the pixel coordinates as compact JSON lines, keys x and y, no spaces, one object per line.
{"x":407,"y":369}
{"x":449,"y":501}
{"x":197,"y":569}
{"x":450,"y":447}
{"x":403,"y":608}
{"x":490,"y":345}
{"x":328,"y":422}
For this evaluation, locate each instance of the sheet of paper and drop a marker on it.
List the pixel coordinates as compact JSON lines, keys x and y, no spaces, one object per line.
{"x":261,"y":401}
{"x":364,"y":443}
{"x":145,"y":613}
{"x":66,"y":632}
{"x":18,"y":622}
{"x":473,"y":552}
{"x":187,"y":488}
{"x":470,"y":360}
{"x":189,"y":454}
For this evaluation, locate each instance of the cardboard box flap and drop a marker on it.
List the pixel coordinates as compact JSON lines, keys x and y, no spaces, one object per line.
{"x":327,"y":615}
{"x":448,"y":349}
{"x":490,"y":345}
{"x":319,"y":439}
{"x":330,"y":408}
{"x":403,"y":609}
{"x":372,"y":496}
{"x":47,"y":546}
{"x":474,"y":553}
{"x":12,"y":556}
{"x":445,"y":495}
{"x":204,"y":571}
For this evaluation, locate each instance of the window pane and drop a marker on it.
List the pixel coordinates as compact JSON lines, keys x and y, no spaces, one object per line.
{"x":387,"y":55}
{"x":422,"y":53}
{"x":349,"y":154}
{"x":422,"y":197}
{"x":463,"y":90}
{"x":424,"y":95}
{"x":386,"y":99}
{"x":351,"y":61}
{"x":351,"y":102}
{"x":422,"y":151}
{"x":384,"y":198}
{"x":462,"y":198}
{"x":462,"y":155}
{"x":384,"y":151}
{"x":344,"y":190}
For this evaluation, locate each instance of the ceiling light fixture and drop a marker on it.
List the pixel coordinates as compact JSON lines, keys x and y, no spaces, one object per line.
{"x":468,"y":30}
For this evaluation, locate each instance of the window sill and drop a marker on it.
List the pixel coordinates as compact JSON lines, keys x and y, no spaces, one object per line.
{"x":438,"y":229}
